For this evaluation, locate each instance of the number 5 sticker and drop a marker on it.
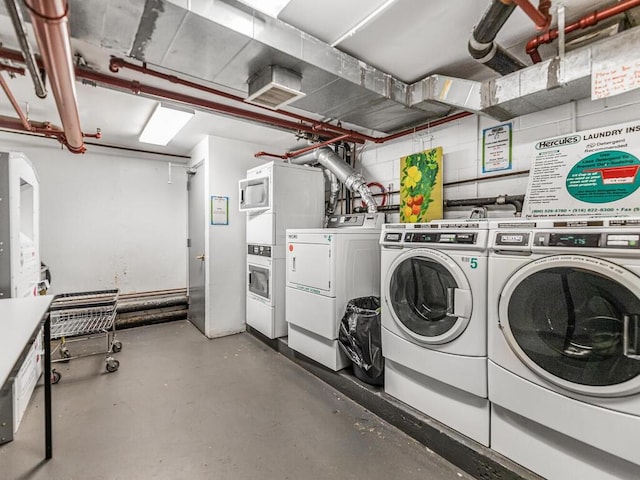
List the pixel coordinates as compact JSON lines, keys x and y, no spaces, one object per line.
{"x":473,"y":262}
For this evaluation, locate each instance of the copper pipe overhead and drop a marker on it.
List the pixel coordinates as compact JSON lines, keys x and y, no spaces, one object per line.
{"x":14,"y":103}
{"x":585,"y":22}
{"x":51,"y":27}
{"x":540,"y":15}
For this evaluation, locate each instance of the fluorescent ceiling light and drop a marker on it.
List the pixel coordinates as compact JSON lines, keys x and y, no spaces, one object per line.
{"x":165,"y":122}
{"x":269,"y":7}
{"x":363,"y":22}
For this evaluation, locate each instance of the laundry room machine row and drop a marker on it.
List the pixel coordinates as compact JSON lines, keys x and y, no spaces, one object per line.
{"x":325,"y":268}
{"x":434,"y":288}
{"x":564,"y":346}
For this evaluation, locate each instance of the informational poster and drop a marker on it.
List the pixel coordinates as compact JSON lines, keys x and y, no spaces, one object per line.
{"x":588,"y":173}
{"x":421,"y":186}
{"x":496,"y":148}
{"x":219,"y":210}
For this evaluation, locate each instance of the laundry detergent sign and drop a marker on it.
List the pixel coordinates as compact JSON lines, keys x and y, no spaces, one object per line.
{"x":604,"y":177}
{"x":588,"y":173}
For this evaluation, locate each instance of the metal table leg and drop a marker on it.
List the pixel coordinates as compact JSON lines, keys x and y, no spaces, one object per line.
{"x":48,"y":437}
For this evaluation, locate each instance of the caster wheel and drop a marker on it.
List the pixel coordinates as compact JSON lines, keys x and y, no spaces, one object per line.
{"x":116,"y":347}
{"x":65,"y":354}
{"x":55,"y":377}
{"x":113,"y":365}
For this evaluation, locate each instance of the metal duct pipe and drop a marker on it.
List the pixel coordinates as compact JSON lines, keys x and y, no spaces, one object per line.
{"x":30,"y":60}
{"x":333,"y":192}
{"x":515,"y":200}
{"x":482,"y":45}
{"x":344,"y":172}
{"x":51,"y":26}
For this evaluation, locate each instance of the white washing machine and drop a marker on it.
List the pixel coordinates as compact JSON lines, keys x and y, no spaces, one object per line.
{"x":265,"y":289}
{"x":564,"y":346}
{"x":326,"y":268}
{"x":434,"y":281}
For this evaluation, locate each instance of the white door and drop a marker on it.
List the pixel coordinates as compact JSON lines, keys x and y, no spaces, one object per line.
{"x":197,"y":263}
{"x":309,"y":265}
{"x":575,"y":321}
{"x":254,"y":194}
{"x":428,"y":296}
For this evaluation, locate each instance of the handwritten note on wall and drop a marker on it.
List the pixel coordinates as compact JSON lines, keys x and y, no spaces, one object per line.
{"x":609,"y":79}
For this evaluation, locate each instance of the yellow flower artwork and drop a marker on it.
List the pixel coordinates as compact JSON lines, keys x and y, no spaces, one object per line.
{"x":421,"y":186}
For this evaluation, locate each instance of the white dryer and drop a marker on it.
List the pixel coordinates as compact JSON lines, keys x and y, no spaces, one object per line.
{"x":279,"y":195}
{"x":327,"y":267}
{"x":276,"y":195}
{"x":434,"y":278}
{"x":564,"y":346}
{"x":265,"y":289}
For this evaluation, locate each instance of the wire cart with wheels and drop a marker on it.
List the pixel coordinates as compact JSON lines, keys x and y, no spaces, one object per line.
{"x":82,"y":316}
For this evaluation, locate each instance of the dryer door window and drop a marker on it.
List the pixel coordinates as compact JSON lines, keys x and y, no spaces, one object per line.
{"x":259,"y":281}
{"x":577,"y":324}
{"x":429,"y":297}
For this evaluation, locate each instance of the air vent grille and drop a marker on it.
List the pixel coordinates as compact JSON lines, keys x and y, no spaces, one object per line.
{"x":274,"y":87}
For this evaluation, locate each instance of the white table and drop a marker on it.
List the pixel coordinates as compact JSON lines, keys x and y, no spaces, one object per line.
{"x":20,"y":321}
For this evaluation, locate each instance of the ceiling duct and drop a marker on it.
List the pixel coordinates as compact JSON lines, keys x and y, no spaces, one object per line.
{"x":274,"y":87}
{"x":238,"y":42}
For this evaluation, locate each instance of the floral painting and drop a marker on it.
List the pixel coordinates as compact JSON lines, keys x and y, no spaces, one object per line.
{"x":421,"y":186}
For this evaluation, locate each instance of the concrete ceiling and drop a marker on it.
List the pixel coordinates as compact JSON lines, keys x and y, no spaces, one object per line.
{"x":408,"y":41}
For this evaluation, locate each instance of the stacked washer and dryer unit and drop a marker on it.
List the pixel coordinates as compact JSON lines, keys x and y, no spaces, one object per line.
{"x":326,"y":268}
{"x":564,"y":346}
{"x":276,"y":196}
{"x":434,"y":290}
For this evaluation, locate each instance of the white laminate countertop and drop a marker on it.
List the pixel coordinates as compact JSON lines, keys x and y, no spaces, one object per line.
{"x":19,"y":318}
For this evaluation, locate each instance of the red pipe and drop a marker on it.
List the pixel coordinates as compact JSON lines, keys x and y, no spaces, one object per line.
{"x":40,"y":128}
{"x":115,"y":64}
{"x":540,"y":15}
{"x":395,"y":136}
{"x":14,"y":103}
{"x":10,"y":69}
{"x":267,"y":154}
{"x":138,"y":88}
{"x":295,"y":153}
{"x":50,"y":22}
{"x":585,"y":22}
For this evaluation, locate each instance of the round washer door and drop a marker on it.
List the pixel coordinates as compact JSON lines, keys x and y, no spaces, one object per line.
{"x":565,"y":317}
{"x":428,"y":296}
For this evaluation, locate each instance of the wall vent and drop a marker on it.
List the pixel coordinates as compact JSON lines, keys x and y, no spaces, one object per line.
{"x":274,"y":87}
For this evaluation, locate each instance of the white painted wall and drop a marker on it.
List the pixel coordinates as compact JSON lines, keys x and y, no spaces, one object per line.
{"x":226,"y":163}
{"x":108,"y":218}
{"x":462,"y":145}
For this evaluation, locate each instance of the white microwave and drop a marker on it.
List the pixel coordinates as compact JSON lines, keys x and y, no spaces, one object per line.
{"x":254,"y":194}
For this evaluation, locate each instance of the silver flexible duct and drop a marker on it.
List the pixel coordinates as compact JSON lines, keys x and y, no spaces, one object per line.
{"x":333,"y":192}
{"x":353,"y":180}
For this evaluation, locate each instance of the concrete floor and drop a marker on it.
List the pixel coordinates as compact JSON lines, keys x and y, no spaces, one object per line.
{"x":184,"y":407}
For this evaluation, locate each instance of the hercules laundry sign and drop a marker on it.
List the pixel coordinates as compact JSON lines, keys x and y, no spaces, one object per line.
{"x":588,"y":173}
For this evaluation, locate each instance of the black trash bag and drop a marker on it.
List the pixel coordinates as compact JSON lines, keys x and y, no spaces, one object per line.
{"x":360,"y":338}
